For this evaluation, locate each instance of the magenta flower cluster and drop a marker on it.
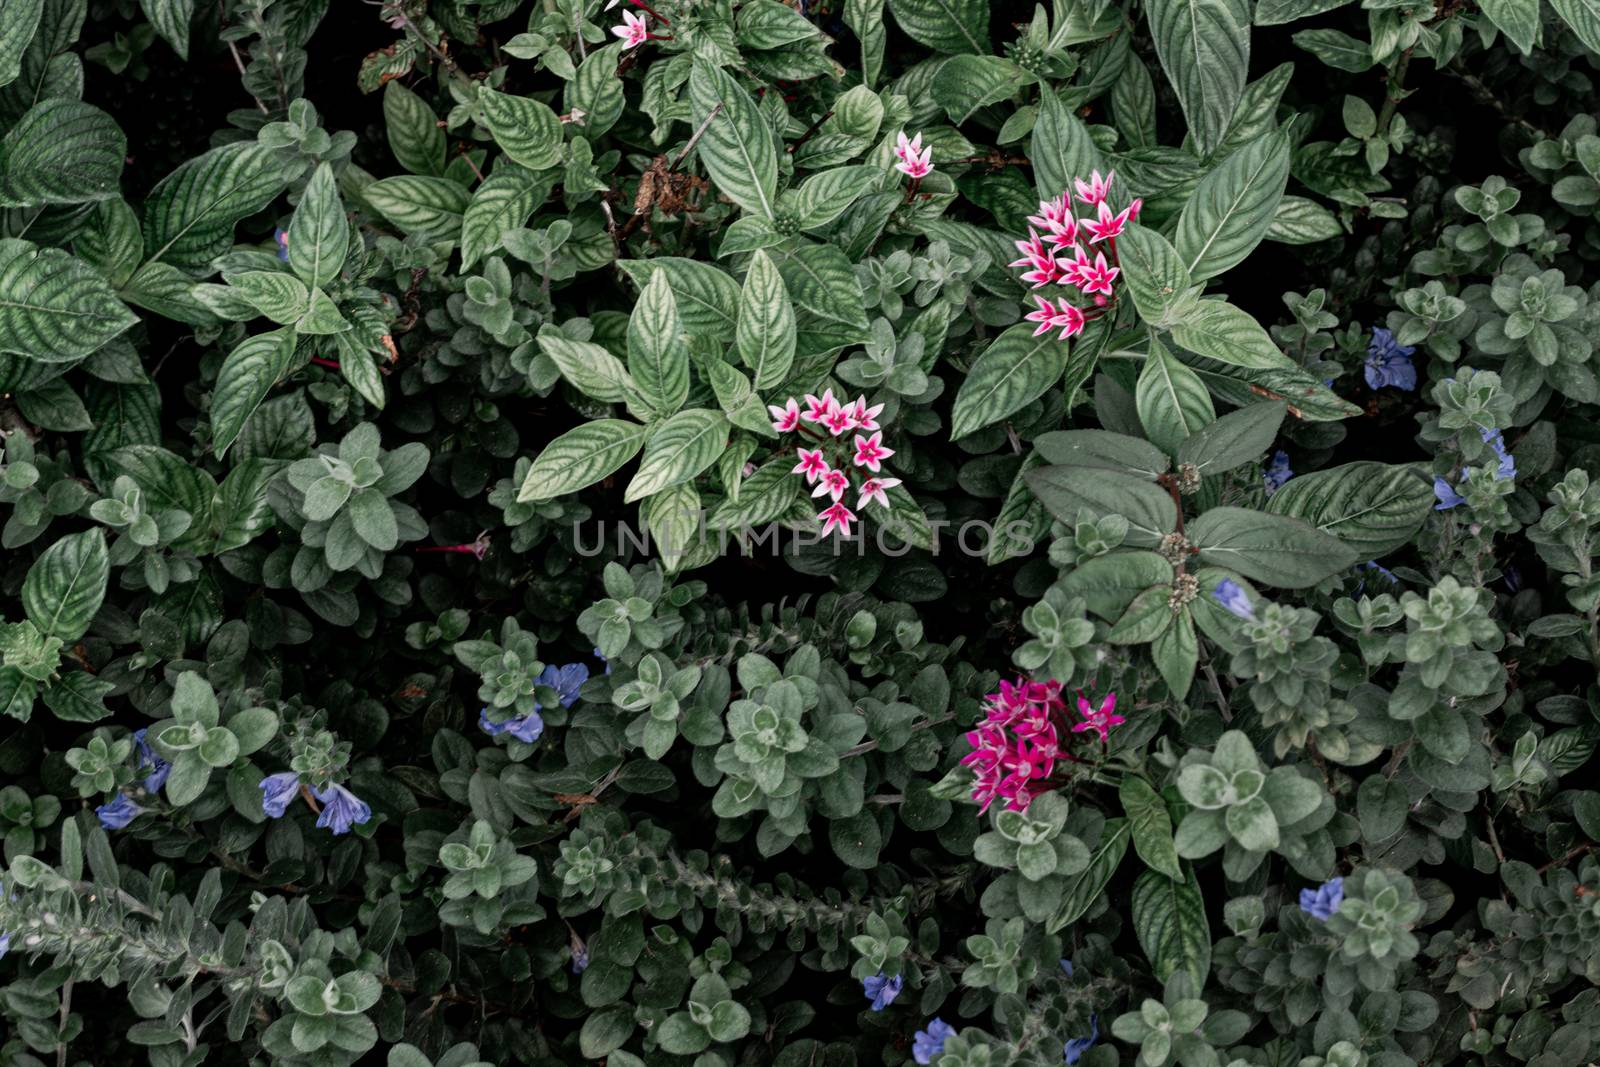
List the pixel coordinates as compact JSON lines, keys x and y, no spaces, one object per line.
{"x":832,"y":479}
{"x":1016,"y":748}
{"x":1061,"y":254}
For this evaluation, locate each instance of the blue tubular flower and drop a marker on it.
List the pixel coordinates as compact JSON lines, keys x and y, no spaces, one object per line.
{"x":150,"y":761}
{"x":341,"y":809}
{"x":282,"y":237}
{"x":1389,"y":363}
{"x":566,"y":681}
{"x":1234,"y":600}
{"x":601,"y":656}
{"x":1508,"y":464}
{"x":1075,"y":1047}
{"x":1448,"y":497}
{"x":526,"y":729}
{"x":1066,"y":967}
{"x":1323,"y":901}
{"x":926,"y":1044}
{"x":1277,"y":472}
{"x":5,"y":944}
{"x":118,"y":813}
{"x":580,"y":959}
{"x":277,"y":790}
{"x":881,"y":989}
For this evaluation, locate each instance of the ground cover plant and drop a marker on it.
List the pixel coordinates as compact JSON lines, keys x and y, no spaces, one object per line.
{"x":716,"y":532}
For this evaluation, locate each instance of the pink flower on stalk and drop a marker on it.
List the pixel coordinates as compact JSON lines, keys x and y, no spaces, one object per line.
{"x":835,"y":483}
{"x":1046,"y":270}
{"x":839,"y":420}
{"x":1095,"y":278}
{"x":811,"y":464}
{"x":875,"y":491}
{"x":1095,"y":189}
{"x":1032,"y":250}
{"x":837,"y":516}
{"x":870,"y":452}
{"x":1015,"y":749}
{"x":863,"y":417}
{"x":1045,"y":316}
{"x":1100,"y":720}
{"x":1110,"y":225}
{"x":787,"y":418}
{"x":915,"y":160}
{"x":633,"y":30}
{"x":819,"y":408}
{"x":1055,"y":216}
{"x":1063,"y":316}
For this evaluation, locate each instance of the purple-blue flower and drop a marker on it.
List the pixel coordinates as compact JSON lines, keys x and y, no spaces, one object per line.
{"x":282,"y":237}
{"x":1075,"y":1047}
{"x":926,"y":1044}
{"x":881,"y":989}
{"x":1323,"y":901}
{"x":1389,"y":363}
{"x":1234,"y":600}
{"x":277,"y":790}
{"x":1066,"y":967}
{"x":341,"y":809}
{"x":5,"y":944}
{"x":601,"y":656}
{"x":1277,"y":472}
{"x":1508,"y":464}
{"x":118,"y":813}
{"x":150,"y":761}
{"x":526,"y":729}
{"x":580,"y":959}
{"x":566,"y":681}
{"x":1448,"y":497}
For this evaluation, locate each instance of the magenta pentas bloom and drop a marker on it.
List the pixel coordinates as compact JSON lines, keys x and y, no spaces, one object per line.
{"x":1081,"y":253}
{"x":1016,"y":748}
{"x":833,"y":465}
{"x":1100,"y":719}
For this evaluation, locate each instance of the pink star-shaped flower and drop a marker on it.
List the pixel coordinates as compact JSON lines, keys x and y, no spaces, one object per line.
{"x":1096,"y":278}
{"x":870,"y":452}
{"x":875,"y":491}
{"x":1056,"y":217}
{"x":839,"y":420}
{"x":838,"y":516}
{"x":915,"y":160}
{"x":863,"y":417}
{"x":1046,"y":270}
{"x":633,"y":30}
{"x":819,"y":408}
{"x":811,"y":464}
{"x":835,"y":483}
{"x":1095,"y":189}
{"x":787,"y":418}
{"x":1100,"y":720}
{"x":1110,"y":225}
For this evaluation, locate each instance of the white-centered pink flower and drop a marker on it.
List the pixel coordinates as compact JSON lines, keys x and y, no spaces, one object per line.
{"x":915,"y":160}
{"x":1058,"y":316}
{"x":835,"y":483}
{"x":633,"y":30}
{"x":863,"y":417}
{"x":819,"y":408}
{"x":787,"y":418}
{"x":870,"y":452}
{"x":1098,"y":276}
{"x":839,"y":420}
{"x":1045,"y":270}
{"x":875,"y":491}
{"x":1095,"y":189}
{"x":1110,"y":224}
{"x":812,"y":464}
{"x":837,"y":517}
{"x":1055,"y":217}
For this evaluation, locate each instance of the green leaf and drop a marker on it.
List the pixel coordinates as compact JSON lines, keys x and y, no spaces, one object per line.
{"x":1146,"y":619}
{"x":319,"y":233}
{"x":1308,"y":398}
{"x":503,"y":202}
{"x":17,"y":694}
{"x":764,"y":336}
{"x":413,"y":129}
{"x":248,"y":374}
{"x":55,"y":308}
{"x":242,"y":510}
{"x":66,"y":585}
{"x":1220,"y":331}
{"x":1381,"y":806}
{"x":171,"y":20}
{"x":1176,"y":652}
{"x":19,"y":19}
{"x":587,"y":366}
{"x":62,"y":151}
{"x":169,"y":481}
{"x":967,"y":83}
{"x":373,"y":519}
{"x":1582,"y":15}
{"x":1062,"y":149}
{"x":278,"y":295}
{"x":1237,"y":438}
{"x":429,"y":208}
{"x":1150,"y":826}
{"x":857,"y":840}
{"x":528,"y":131}
{"x":1172,"y":400}
{"x":1374,"y":508}
{"x":1109,"y":583}
{"x":678,"y":450}
{"x":1169,"y":918}
{"x":738,"y":148}
{"x":658,"y":356}
{"x":823,"y":197}
{"x":1069,"y":491}
{"x":54,"y":406}
{"x":189,"y":216}
{"x":708,"y":298}
{"x":1156,"y":277}
{"x":78,"y":696}
{"x":597,"y":91}
{"x":1084,"y":888}
{"x":580,"y":457}
{"x":1231,"y":209}
{"x":1204,"y":47}
{"x":1016,"y":369}
{"x":1102,"y":448}
{"x":950,"y":26}
{"x":1299,"y":221}
{"x":821,"y":280}
{"x":1267,"y":548}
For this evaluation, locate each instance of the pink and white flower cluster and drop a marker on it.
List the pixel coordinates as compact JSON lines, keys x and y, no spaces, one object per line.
{"x":1016,"y":748}
{"x":1061,"y":254}
{"x":915,"y":160}
{"x":833,"y":479}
